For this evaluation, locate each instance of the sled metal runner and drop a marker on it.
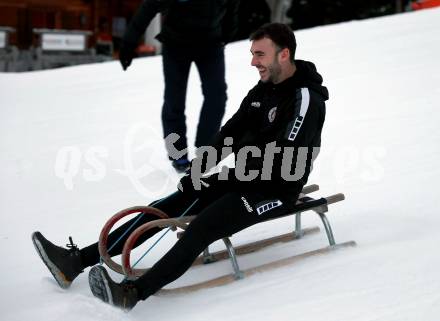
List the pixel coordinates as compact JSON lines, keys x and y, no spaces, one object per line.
{"x":304,"y":204}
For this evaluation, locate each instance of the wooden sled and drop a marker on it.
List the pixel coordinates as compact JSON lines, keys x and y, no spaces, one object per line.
{"x":304,"y":204}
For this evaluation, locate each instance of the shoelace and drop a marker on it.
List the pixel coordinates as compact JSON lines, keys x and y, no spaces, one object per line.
{"x":71,"y":246}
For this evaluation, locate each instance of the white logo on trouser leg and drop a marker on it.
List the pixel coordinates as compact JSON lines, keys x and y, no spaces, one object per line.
{"x":268,"y":206}
{"x":246,"y":204}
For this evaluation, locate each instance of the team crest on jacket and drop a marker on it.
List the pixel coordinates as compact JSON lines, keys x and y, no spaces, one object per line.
{"x":272,"y":114}
{"x":256,"y":104}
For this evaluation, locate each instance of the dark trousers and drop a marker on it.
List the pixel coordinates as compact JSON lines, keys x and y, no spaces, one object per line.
{"x":217,"y":216}
{"x":210,"y":64}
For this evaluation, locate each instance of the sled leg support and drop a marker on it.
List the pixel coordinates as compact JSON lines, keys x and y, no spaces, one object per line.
{"x":237,"y":273}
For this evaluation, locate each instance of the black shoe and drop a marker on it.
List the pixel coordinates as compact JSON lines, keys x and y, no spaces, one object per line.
{"x":123,"y":295}
{"x":64,"y":264}
{"x":181,"y":165}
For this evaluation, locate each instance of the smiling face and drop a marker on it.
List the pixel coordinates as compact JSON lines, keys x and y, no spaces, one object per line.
{"x":268,"y":59}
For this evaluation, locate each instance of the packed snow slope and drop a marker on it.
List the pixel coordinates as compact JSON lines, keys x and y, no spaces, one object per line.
{"x":78,"y":144}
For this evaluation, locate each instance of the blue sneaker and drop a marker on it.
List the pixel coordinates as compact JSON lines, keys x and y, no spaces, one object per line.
{"x":181,"y":165}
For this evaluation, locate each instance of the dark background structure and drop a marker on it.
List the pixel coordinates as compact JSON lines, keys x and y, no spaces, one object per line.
{"x":310,"y":13}
{"x":105,"y":22}
{"x":108,"y":17}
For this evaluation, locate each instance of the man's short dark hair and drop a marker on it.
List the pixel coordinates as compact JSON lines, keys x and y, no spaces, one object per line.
{"x":281,"y":35}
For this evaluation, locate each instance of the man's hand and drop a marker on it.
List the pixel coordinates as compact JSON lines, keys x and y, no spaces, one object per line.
{"x":193,"y":186}
{"x":126,"y":54}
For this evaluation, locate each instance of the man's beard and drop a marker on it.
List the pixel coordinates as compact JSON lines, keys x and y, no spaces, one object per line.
{"x":274,"y":72}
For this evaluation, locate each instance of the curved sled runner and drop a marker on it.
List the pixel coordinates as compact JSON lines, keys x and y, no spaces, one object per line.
{"x":304,"y":204}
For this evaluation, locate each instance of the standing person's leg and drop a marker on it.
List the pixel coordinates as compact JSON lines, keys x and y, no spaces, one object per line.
{"x":210,"y":62}
{"x":176,"y":67}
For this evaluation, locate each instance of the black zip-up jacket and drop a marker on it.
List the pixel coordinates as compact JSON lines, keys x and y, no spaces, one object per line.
{"x":186,"y":22}
{"x":288,"y":114}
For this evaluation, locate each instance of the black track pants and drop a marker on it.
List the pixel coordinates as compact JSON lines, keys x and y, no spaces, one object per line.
{"x":225,"y":216}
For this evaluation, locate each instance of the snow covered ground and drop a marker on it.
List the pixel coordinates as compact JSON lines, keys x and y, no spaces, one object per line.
{"x":78,"y":144}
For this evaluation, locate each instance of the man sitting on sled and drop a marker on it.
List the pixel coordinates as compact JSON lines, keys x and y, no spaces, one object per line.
{"x":279,"y":119}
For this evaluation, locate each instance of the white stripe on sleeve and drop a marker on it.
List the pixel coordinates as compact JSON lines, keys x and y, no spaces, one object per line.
{"x":305,"y":100}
